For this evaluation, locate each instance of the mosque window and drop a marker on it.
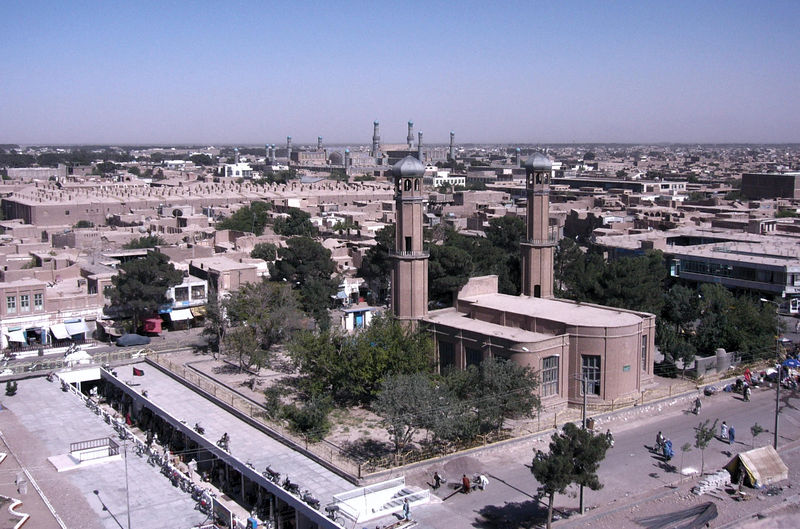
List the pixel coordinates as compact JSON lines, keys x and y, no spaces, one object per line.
{"x":407,"y":185}
{"x":590,"y":371}
{"x":447,"y":355}
{"x":644,"y":352}
{"x":416,"y":185}
{"x":549,"y":376}
{"x":474,"y":357}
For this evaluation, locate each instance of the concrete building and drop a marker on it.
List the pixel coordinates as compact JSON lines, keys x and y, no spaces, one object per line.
{"x":771,"y":185}
{"x":569,"y":344}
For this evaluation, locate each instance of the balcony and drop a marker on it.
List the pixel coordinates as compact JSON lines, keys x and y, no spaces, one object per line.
{"x":409,"y":254}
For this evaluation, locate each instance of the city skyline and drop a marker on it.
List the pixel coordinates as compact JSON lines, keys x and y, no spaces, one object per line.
{"x":578,"y":72}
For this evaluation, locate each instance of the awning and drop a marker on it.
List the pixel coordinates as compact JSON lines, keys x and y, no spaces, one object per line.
{"x":59,"y":331}
{"x":76,"y":327}
{"x":199,"y":312}
{"x":180,"y":315}
{"x":16,"y":336}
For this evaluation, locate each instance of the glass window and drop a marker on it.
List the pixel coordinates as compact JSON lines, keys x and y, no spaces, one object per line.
{"x":24,"y":303}
{"x":447,"y":355}
{"x":38,"y":301}
{"x":181,"y":293}
{"x":550,"y":376}
{"x":590,"y":371}
{"x":198,"y":292}
{"x":11,"y":304}
{"x":474,"y":357}
{"x":644,"y":352}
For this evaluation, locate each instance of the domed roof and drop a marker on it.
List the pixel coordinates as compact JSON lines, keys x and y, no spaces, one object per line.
{"x":408,"y":166}
{"x":539,"y":162}
{"x":335,"y":158}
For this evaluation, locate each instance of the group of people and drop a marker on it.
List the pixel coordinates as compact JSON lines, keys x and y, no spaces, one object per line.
{"x":664,"y":446}
{"x":480,"y":481}
{"x":727,"y":433}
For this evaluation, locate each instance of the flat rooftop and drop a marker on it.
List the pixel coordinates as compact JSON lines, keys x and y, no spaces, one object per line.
{"x":566,"y":312}
{"x":458,"y":320}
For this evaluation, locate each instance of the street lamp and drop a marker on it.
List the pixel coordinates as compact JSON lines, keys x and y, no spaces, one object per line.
{"x":105,"y":508}
{"x":778,"y":371}
{"x":584,"y":384}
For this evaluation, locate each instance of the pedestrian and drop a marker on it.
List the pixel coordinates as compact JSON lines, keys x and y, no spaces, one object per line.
{"x":406,"y":510}
{"x":747,"y":393}
{"x":482,"y":482}
{"x":465,"y":484}
{"x":723,"y":431}
{"x":437,"y":480}
{"x":697,"y":405}
{"x":659,"y":440}
{"x":731,"y":435}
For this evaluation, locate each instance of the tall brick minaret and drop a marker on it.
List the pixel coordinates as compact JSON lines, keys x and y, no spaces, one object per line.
{"x":410,"y":273}
{"x":538,"y":248}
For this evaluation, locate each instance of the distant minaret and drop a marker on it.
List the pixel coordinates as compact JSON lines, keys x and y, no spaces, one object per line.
{"x":537,"y":250}
{"x":410,"y":272}
{"x":419,"y":147}
{"x":518,"y":156}
{"x":410,"y":137}
{"x":376,"y":140}
{"x":289,"y":148}
{"x":236,"y":155}
{"x":452,"y":154}
{"x":319,"y":143}
{"x":272,"y":155}
{"x":346,"y":160}
{"x":266,"y":153}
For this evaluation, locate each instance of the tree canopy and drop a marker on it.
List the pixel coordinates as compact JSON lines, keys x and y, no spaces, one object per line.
{"x":265,"y":251}
{"x":298,"y":223}
{"x":252,"y":218}
{"x":351,"y":369}
{"x":574,"y":457}
{"x":306,"y":265}
{"x":146,"y":241}
{"x":141,"y":285}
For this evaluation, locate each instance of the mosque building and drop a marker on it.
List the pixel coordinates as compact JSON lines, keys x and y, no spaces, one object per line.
{"x":570,"y":344}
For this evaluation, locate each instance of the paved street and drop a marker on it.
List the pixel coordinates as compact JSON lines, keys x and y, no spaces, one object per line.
{"x":630,"y":472}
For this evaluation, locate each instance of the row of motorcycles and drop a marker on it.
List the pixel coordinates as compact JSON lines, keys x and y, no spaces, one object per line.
{"x":294,"y":488}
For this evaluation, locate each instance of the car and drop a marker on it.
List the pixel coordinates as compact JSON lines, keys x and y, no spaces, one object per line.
{"x":127,"y":340}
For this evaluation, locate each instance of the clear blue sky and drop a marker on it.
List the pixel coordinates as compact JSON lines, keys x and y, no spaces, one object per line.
{"x":255,"y":72}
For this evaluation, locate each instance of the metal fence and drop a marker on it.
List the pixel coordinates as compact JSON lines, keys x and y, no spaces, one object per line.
{"x":323,"y":450}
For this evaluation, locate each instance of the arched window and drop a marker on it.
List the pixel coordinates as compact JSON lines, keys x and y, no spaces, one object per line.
{"x":407,"y":185}
{"x":416,"y":184}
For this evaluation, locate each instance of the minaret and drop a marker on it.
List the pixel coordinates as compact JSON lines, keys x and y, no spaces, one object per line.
{"x":289,"y":148}
{"x":266,"y":156}
{"x":518,"y":157}
{"x":410,"y":137}
{"x":272,"y":155}
{"x":419,"y":147}
{"x":537,"y":250}
{"x":319,"y":143}
{"x":410,"y":273}
{"x":236,"y":155}
{"x":452,"y":153}
{"x":376,"y":140}
{"x":346,"y":160}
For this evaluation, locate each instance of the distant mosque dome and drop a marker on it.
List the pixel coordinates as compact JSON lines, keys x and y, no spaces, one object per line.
{"x":539,"y":162}
{"x":408,"y":166}
{"x":336,"y":158}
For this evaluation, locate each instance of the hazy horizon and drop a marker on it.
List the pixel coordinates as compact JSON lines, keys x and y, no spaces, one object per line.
{"x":250,"y":73}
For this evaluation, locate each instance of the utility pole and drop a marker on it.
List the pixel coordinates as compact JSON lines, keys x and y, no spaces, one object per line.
{"x":583,"y":421}
{"x":778,"y":368}
{"x":127,"y":491}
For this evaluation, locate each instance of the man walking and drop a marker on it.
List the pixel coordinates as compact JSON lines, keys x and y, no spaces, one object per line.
{"x":406,"y":510}
{"x":731,"y":435}
{"x":465,"y":484}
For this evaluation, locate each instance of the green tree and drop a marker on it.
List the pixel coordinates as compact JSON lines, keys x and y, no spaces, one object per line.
{"x":260,"y":315}
{"x":376,"y":266}
{"x":201,"y":159}
{"x":703,"y":435}
{"x":135,"y":171}
{"x":574,"y":457}
{"x":298,"y":223}
{"x":265,"y":251}
{"x":566,"y":262}
{"x":352,"y":368}
{"x":141,"y":285}
{"x":105,"y":167}
{"x":251,"y":219}
{"x":310,"y":419}
{"x":449,"y":269}
{"x":84,"y":224}
{"x":634,"y":283}
{"x":306,"y":265}
{"x":404,"y":402}
{"x":146,"y":241}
